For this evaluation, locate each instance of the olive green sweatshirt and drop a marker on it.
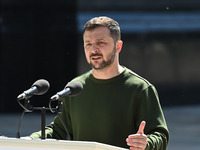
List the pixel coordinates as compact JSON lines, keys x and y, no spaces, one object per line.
{"x":107,"y":111}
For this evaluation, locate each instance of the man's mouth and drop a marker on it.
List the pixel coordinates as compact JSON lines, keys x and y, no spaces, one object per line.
{"x":96,"y":57}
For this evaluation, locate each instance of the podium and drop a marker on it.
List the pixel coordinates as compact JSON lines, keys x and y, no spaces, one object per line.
{"x":52,"y":144}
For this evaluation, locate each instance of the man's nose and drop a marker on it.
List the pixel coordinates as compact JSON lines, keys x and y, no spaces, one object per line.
{"x":94,"y":48}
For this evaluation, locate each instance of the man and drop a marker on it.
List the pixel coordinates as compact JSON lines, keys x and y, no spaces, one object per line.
{"x":116,"y":106}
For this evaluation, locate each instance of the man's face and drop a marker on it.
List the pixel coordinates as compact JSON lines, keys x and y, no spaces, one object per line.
{"x":100,"y":49}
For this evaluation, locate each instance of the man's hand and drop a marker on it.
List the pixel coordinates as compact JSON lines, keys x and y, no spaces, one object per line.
{"x":138,"y":141}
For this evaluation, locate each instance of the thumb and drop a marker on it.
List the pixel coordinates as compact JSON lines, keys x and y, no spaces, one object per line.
{"x":141,"y":127}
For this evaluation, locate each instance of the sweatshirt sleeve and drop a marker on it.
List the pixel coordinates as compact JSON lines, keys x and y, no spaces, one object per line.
{"x":149,"y":110}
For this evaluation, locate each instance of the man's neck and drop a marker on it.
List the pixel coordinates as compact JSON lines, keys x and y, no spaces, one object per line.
{"x":107,"y":73}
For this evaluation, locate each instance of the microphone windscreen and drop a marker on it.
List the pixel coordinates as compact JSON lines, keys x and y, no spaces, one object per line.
{"x":75,"y":87}
{"x":42,"y":86}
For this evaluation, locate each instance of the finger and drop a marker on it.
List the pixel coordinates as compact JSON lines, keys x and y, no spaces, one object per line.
{"x":138,"y":145}
{"x":137,"y":142}
{"x":135,"y":148}
{"x":141,"y":127}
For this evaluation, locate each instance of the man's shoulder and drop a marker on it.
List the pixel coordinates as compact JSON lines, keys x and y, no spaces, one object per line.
{"x":136,"y":79}
{"x":83,"y":77}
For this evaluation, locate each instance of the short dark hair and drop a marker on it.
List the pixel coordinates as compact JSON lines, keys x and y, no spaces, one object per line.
{"x":111,"y":24}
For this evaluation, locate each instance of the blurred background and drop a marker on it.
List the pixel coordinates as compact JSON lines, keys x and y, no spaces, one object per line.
{"x":42,"y":39}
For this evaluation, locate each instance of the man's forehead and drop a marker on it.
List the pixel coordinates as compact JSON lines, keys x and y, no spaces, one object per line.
{"x":103,"y":30}
{"x":97,"y":35}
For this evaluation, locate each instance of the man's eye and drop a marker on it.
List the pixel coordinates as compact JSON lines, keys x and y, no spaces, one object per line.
{"x":101,"y":43}
{"x":88,"y":44}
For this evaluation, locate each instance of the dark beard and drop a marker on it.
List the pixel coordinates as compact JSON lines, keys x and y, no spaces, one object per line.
{"x":107,"y":63}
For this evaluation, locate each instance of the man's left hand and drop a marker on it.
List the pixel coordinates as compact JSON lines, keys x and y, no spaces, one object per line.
{"x":138,"y":141}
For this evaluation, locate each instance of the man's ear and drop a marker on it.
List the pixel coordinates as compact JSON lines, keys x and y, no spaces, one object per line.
{"x":119,"y":44}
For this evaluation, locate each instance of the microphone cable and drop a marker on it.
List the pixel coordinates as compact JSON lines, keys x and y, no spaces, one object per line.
{"x":62,"y":121}
{"x":27,"y":108}
{"x":58,"y":109}
{"x":19,"y":126}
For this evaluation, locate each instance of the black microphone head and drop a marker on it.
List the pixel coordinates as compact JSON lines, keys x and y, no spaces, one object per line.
{"x":42,"y":86}
{"x":75,"y":87}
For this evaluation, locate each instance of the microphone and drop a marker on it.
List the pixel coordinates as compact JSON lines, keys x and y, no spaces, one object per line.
{"x":38,"y":88}
{"x":73,"y":88}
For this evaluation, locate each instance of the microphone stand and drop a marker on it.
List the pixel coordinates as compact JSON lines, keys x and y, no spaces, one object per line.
{"x":43,"y":119}
{"x":28,"y":108}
